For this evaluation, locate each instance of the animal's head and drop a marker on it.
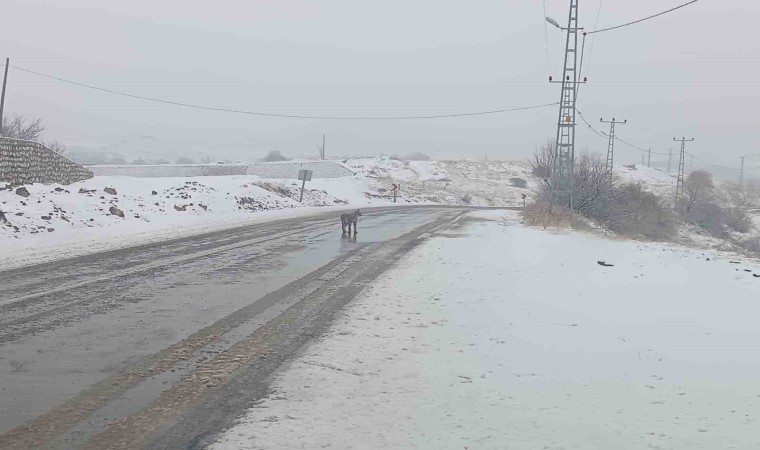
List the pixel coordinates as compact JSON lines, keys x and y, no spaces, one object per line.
{"x":358,"y":213}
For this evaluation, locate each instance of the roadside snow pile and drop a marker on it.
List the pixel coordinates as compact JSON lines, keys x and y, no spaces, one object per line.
{"x":510,"y":337}
{"x":108,"y":201}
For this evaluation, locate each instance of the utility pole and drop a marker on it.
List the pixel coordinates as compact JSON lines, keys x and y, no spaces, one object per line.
{"x":741,"y":173}
{"x":2,"y":97}
{"x":681,"y":163}
{"x":649,"y":157}
{"x":611,"y":145}
{"x":323,"y":146}
{"x":564,"y":157}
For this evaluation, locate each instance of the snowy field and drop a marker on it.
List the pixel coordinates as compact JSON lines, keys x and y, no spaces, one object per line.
{"x":501,"y":336}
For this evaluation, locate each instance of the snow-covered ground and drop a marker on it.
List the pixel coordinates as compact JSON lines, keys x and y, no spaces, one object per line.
{"x":657,"y":181}
{"x":476,"y":183}
{"x":501,"y":336}
{"x":62,"y":221}
{"x":56,"y":221}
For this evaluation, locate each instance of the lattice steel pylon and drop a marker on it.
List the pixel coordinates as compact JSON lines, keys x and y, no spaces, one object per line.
{"x":611,"y":144}
{"x":564,"y":151}
{"x":678,"y":204}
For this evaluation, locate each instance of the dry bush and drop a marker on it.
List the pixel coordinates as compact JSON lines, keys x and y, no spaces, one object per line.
{"x":634,"y":211}
{"x":275,"y":155}
{"x":739,"y":220}
{"x":697,"y":187}
{"x":590,"y":183}
{"x":56,"y":147}
{"x":546,"y":214}
{"x":709,"y":216}
{"x":518,"y":182}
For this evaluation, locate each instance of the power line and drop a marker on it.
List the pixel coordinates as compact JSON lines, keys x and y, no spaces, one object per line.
{"x":596,"y":25}
{"x":712,"y":163}
{"x":598,"y":133}
{"x":640,"y":149}
{"x":286,"y":116}
{"x":642,"y":20}
{"x":546,"y":42}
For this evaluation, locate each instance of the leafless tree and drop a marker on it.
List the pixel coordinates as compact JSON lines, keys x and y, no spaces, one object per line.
{"x":542,"y":164}
{"x":19,"y":127}
{"x":275,"y":155}
{"x":589,"y":178}
{"x":185,"y":160}
{"x":56,"y":147}
{"x":696,"y":187}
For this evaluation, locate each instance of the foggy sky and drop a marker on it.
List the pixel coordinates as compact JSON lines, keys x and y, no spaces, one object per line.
{"x":692,"y":73}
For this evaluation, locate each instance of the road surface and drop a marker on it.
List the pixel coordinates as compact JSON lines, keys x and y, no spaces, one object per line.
{"x":164,"y":345}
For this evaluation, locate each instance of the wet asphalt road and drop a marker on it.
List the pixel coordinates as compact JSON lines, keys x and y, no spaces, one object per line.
{"x":163,"y":345}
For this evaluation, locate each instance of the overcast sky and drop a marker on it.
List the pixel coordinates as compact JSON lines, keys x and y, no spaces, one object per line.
{"x":691,"y":73}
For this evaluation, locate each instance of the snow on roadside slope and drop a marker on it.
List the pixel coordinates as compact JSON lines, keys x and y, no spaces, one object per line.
{"x":467,"y":183}
{"x":510,"y":337}
{"x":62,"y":221}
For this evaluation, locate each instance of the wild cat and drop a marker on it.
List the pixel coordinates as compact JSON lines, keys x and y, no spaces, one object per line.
{"x":346,"y":220}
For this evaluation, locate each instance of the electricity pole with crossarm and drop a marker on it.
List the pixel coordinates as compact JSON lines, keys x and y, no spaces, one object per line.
{"x":564,"y":156}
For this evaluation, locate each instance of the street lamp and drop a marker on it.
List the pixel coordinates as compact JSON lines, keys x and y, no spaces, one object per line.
{"x":553,"y":22}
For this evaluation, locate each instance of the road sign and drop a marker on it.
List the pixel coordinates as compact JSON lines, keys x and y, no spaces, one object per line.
{"x":395,"y":186}
{"x":304,"y":175}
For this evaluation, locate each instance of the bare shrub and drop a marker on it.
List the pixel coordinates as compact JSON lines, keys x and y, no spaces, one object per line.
{"x":753,"y":245}
{"x":56,"y":147}
{"x":634,"y":211}
{"x":545,"y":213}
{"x":518,"y":182}
{"x":275,"y":155}
{"x":19,"y":127}
{"x":591,"y":186}
{"x":739,"y":220}
{"x":710,"y":216}
{"x":467,"y":198}
{"x":697,"y":187}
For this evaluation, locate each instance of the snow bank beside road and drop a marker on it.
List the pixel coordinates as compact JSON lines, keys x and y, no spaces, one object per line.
{"x":63,"y":221}
{"x":511,"y":337}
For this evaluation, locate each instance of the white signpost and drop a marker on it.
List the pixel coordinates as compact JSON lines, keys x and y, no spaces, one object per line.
{"x":304,"y":175}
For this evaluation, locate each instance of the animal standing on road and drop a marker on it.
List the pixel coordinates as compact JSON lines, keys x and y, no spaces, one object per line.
{"x":347,"y":220}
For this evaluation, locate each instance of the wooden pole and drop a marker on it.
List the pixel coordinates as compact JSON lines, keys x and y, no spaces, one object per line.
{"x":2,"y":97}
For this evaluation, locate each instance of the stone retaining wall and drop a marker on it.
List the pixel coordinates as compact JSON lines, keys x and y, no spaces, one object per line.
{"x":25,"y":162}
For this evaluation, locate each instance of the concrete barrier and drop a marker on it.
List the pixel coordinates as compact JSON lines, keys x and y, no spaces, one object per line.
{"x":289,"y":169}
{"x":171,"y":170}
{"x":285,"y":169}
